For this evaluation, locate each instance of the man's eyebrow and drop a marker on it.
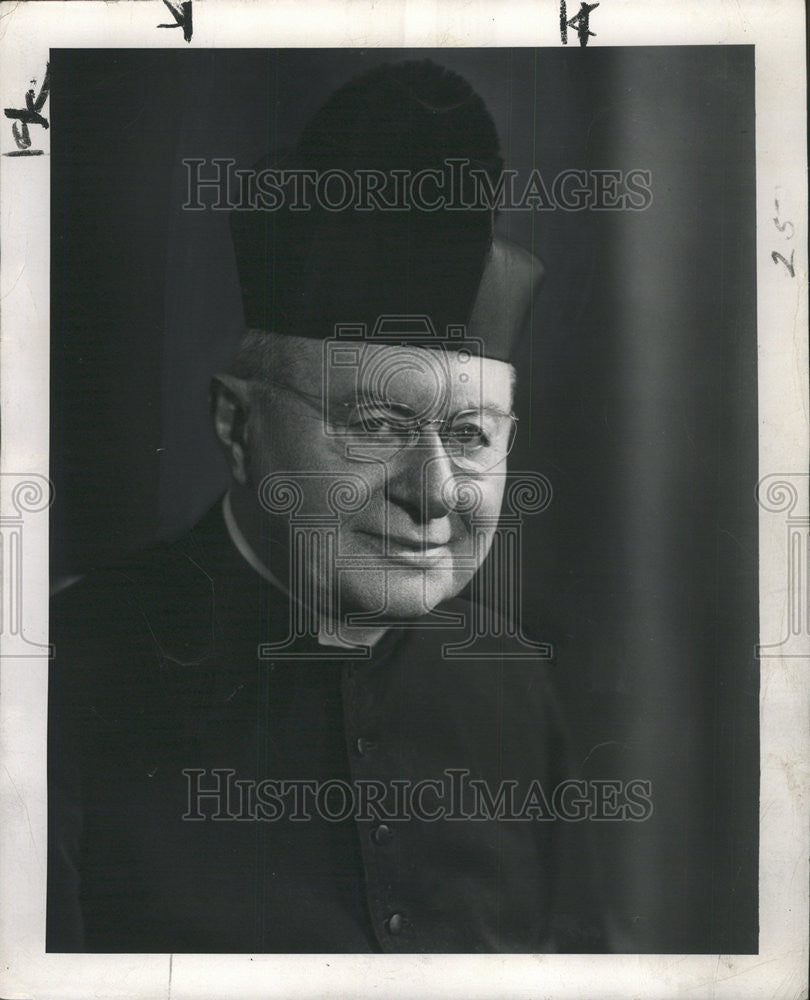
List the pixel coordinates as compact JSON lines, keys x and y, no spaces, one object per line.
{"x":391,"y":404}
{"x":356,"y":395}
{"x":368,"y":395}
{"x":494,"y":407}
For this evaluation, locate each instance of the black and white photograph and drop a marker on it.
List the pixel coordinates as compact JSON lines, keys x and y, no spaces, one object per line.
{"x":404,"y":518}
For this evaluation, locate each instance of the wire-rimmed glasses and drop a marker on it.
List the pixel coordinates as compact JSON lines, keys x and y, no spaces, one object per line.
{"x":475,"y":440}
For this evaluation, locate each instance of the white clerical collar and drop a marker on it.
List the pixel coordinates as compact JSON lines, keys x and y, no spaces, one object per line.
{"x":245,"y":550}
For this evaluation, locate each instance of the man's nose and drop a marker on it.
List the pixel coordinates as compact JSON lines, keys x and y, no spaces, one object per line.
{"x":421,"y":478}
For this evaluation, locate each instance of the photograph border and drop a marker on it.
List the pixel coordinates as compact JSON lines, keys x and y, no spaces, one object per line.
{"x":28,"y":31}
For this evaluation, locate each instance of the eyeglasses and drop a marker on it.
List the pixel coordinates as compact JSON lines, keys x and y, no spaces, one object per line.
{"x":475,"y":440}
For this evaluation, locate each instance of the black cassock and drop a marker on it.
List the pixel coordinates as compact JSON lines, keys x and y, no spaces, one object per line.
{"x":158,"y":696}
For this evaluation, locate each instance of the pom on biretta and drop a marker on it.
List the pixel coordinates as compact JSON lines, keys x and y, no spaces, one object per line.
{"x":305,"y":271}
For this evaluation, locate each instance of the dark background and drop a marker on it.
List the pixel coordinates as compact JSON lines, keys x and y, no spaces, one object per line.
{"x":637,"y":397}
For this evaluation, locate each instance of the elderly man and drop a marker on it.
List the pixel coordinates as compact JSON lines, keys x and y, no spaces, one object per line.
{"x":278,"y":734}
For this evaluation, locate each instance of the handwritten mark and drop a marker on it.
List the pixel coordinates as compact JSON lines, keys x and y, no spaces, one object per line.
{"x":29,"y":115}
{"x":777,"y":257}
{"x":580,"y":22}
{"x":181,"y":12}
{"x":782,"y":227}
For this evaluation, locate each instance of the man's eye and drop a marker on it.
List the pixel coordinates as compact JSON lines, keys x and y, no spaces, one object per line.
{"x":470,"y":436}
{"x":374,"y":421}
{"x":375,"y":425}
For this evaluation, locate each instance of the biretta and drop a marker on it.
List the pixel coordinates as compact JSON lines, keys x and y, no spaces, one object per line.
{"x":306,"y":272}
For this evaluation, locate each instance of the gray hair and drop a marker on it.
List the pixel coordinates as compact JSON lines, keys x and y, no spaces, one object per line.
{"x":261,"y":355}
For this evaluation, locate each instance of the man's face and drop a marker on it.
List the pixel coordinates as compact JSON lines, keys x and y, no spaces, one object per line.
{"x":432,"y":494}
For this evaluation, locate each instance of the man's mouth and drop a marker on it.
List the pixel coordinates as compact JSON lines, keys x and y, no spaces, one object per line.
{"x":411,"y":551}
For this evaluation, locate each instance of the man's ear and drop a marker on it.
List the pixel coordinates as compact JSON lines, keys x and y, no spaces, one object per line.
{"x":230,"y":409}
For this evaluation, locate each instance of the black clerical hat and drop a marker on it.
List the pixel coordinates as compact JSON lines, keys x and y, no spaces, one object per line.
{"x":305,"y":271}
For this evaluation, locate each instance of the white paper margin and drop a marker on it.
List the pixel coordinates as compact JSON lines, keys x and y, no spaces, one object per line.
{"x":27,"y":31}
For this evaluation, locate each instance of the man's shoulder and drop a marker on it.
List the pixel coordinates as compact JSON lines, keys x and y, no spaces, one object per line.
{"x":125,"y":634}
{"x":154,"y":592}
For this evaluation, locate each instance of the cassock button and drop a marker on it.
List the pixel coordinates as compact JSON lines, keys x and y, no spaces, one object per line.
{"x":394,"y":924}
{"x":382,"y":835}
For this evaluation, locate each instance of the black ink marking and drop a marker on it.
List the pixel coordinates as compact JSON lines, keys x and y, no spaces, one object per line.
{"x":30,"y":115}
{"x":181,"y":12}
{"x":581,"y":22}
{"x":782,"y":226}
{"x":776,"y":257}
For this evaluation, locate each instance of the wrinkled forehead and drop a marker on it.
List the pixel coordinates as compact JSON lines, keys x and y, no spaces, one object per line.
{"x":425,"y":379}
